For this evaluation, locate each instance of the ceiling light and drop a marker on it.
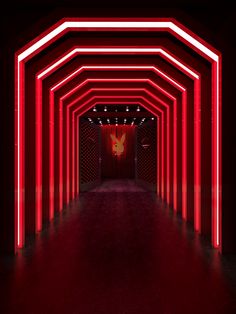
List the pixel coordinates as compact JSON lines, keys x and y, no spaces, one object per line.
{"x":94,"y":109}
{"x":127,"y":108}
{"x":105,"y":108}
{"x":152,"y":118}
{"x":138,"y":109}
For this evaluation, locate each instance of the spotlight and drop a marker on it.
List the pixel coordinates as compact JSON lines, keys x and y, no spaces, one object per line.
{"x":127,"y":108}
{"x":94,"y":109}
{"x":116,"y":124}
{"x":152,"y":118}
{"x":143,"y":119}
{"x":138,"y":108}
{"x":125,"y":120}
{"x":105,"y":108}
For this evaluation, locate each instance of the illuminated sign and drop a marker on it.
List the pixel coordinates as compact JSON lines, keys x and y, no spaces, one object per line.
{"x":118,"y":144}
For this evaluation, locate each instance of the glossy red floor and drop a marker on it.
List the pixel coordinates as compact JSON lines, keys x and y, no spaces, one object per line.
{"x":117,"y":251}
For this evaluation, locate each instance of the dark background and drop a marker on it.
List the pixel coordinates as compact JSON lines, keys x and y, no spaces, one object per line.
{"x":23,"y":21}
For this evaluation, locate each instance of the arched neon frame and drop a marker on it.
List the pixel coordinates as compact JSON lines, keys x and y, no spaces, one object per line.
{"x":108,"y":100}
{"x":123,"y":80}
{"x":174,"y":28}
{"x":156,"y":99}
{"x":138,"y":100}
{"x":107,"y":68}
{"x":171,"y":59}
{"x":119,"y":68}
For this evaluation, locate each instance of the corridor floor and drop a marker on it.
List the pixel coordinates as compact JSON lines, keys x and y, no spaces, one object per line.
{"x":116,"y":250}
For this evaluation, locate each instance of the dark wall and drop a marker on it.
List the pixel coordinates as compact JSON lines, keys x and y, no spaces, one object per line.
{"x":89,"y":155}
{"x":146,"y":155}
{"x":23,"y":22}
{"x":115,"y":165}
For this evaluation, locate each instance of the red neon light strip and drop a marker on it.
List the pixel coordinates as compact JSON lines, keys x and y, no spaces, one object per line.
{"x":158,"y":158}
{"x":20,"y":153}
{"x":184,"y":156}
{"x":51,"y":159}
{"x":74,"y":51}
{"x":73,"y":163}
{"x":168,"y":154}
{"x":197,"y":157}
{"x":67,"y":161}
{"x":60,"y":158}
{"x":175,"y":157}
{"x":216,"y":156}
{"x":38,"y":159}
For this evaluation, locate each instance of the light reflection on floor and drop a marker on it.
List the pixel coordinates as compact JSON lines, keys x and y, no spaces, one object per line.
{"x":117,"y":250}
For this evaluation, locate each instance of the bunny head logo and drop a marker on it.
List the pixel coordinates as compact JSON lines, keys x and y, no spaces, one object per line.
{"x":118,"y":145}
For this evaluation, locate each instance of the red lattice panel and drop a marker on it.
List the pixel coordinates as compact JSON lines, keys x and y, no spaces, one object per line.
{"x":146,"y":153}
{"x":89,"y":154}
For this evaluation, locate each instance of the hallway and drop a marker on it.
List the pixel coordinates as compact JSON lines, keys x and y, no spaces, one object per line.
{"x":116,"y":250}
